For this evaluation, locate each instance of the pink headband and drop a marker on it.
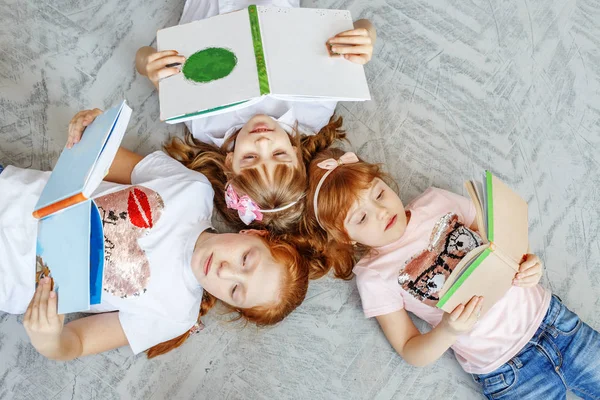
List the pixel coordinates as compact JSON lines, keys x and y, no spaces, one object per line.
{"x":247,"y":209}
{"x":330,"y":164}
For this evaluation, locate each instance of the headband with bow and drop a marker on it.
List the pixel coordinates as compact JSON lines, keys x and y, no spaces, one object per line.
{"x":331,"y":164}
{"x":247,"y":209}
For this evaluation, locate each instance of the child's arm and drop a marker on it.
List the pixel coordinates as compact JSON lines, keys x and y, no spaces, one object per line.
{"x":84,"y":336}
{"x":422,"y":349}
{"x":125,"y":161}
{"x":355,"y":45}
{"x":153,"y":64}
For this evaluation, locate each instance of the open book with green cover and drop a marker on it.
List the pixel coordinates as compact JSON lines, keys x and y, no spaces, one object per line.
{"x":489,"y":269}
{"x":234,"y":59}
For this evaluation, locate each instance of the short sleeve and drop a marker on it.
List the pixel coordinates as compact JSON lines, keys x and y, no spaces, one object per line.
{"x":377,"y":297}
{"x":143,"y":331}
{"x":160,"y":165}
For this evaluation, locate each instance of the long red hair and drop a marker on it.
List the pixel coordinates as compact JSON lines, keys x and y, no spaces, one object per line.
{"x":331,"y":244}
{"x":294,"y":285}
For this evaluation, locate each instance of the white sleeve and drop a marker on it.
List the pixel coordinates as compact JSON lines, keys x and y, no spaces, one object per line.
{"x":160,"y":165}
{"x":144,"y":331}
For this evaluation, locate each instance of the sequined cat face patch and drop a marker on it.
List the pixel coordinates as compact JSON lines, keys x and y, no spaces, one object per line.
{"x":126,"y":216}
{"x":424,"y":275}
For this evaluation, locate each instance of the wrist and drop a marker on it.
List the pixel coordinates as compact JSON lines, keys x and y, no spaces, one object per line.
{"x":447,"y":331}
{"x":48,"y":347}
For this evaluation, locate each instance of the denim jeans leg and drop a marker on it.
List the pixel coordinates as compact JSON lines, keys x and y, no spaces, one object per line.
{"x":528,"y":375}
{"x":579,"y":346}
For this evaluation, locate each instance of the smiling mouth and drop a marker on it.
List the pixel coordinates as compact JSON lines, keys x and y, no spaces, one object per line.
{"x":207,"y":264}
{"x":261,"y":127}
{"x":391,"y":223}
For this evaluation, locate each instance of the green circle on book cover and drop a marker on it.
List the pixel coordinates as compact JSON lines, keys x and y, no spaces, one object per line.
{"x":209,"y":64}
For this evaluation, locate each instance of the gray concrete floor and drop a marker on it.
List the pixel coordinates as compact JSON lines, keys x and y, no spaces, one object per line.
{"x":457,"y":86}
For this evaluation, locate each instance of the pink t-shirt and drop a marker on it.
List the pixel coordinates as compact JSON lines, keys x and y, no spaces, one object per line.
{"x":409,"y":273}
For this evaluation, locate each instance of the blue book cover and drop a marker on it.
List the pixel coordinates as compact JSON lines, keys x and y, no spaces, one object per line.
{"x":70,"y":241}
{"x":70,"y":249}
{"x":80,"y":169}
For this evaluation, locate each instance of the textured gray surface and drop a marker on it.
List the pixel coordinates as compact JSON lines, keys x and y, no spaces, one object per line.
{"x":457,"y":86}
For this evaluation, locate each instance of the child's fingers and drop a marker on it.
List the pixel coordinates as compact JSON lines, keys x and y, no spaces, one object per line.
{"x":529,"y":262}
{"x":161,"y":54}
{"x":350,"y":40}
{"x":44,"y":301}
{"x":533,"y":271}
{"x":471,"y":305}
{"x":354,"y":32}
{"x":166,"y":72}
{"x":163,"y":62}
{"x":356,"y":59}
{"x":53,"y":308}
{"x":528,"y":281}
{"x":350,"y":49}
{"x":36,"y":303}
{"x":456,"y":312}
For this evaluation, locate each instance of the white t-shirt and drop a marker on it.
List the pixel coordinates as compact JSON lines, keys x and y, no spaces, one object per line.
{"x":214,"y":129}
{"x":150,"y":229}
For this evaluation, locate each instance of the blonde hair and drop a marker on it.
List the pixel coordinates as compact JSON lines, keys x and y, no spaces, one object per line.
{"x":288,"y":184}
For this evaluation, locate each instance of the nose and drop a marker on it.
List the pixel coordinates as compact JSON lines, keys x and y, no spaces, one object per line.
{"x":229,"y":270}
{"x":382,"y":213}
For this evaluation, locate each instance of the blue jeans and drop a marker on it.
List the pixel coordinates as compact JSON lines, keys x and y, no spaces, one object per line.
{"x":1,"y":168}
{"x":563,"y":354}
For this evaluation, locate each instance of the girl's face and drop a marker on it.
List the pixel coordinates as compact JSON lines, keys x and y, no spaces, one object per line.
{"x":377,"y":218}
{"x":262,"y":144}
{"x":237,"y":268}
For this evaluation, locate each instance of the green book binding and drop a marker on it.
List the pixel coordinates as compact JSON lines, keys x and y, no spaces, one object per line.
{"x":186,"y":116}
{"x":490,"y":205}
{"x":261,"y":65}
{"x":463,"y":278}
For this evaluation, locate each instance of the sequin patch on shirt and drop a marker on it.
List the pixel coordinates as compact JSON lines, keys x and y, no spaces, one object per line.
{"x":126,"y":216}
{"x":424,"y":275}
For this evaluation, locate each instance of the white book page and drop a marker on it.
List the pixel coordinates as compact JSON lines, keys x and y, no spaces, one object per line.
{"x":297,"y":59}
{"x":179,"y":95}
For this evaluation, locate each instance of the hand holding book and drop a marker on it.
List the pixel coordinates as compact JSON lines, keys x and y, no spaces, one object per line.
{"x":530,"y":271}
{"x":355,"y":45}
{"x":463,"y":318}
{"x":78,"y":123}
{"x":157,"y":65}
{"x":42,"y":322}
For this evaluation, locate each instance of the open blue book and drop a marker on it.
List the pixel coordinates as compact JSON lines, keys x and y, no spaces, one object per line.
{"x":70,"y":242}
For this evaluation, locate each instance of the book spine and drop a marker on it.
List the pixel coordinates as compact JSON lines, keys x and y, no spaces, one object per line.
{"x":59,"y":205}
{"x":261,"y":65}
{"x":490,"y":205}
{"x":463,"y":278}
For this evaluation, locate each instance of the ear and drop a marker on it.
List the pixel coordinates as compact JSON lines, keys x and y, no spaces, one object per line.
{"x":255,"y":232}
{"x":229,"y":159}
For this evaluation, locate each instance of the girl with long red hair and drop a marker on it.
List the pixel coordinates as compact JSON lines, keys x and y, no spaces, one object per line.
{"x":528,"y":343}
{"x":164,"y":266}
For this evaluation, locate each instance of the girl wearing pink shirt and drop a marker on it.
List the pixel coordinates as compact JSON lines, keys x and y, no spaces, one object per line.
{"x":527,"y":344}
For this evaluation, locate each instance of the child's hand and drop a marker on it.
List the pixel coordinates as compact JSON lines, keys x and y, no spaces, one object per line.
{"x":464,"y":317}
{"x":42,"y":323}
{"x":78,"y":124}
{"x":530,"y":271}
{"x":355,"y":45}
{"x":155,"y":65}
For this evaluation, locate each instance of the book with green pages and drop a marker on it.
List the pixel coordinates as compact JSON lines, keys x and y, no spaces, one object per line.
{"x":489,"y":269}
